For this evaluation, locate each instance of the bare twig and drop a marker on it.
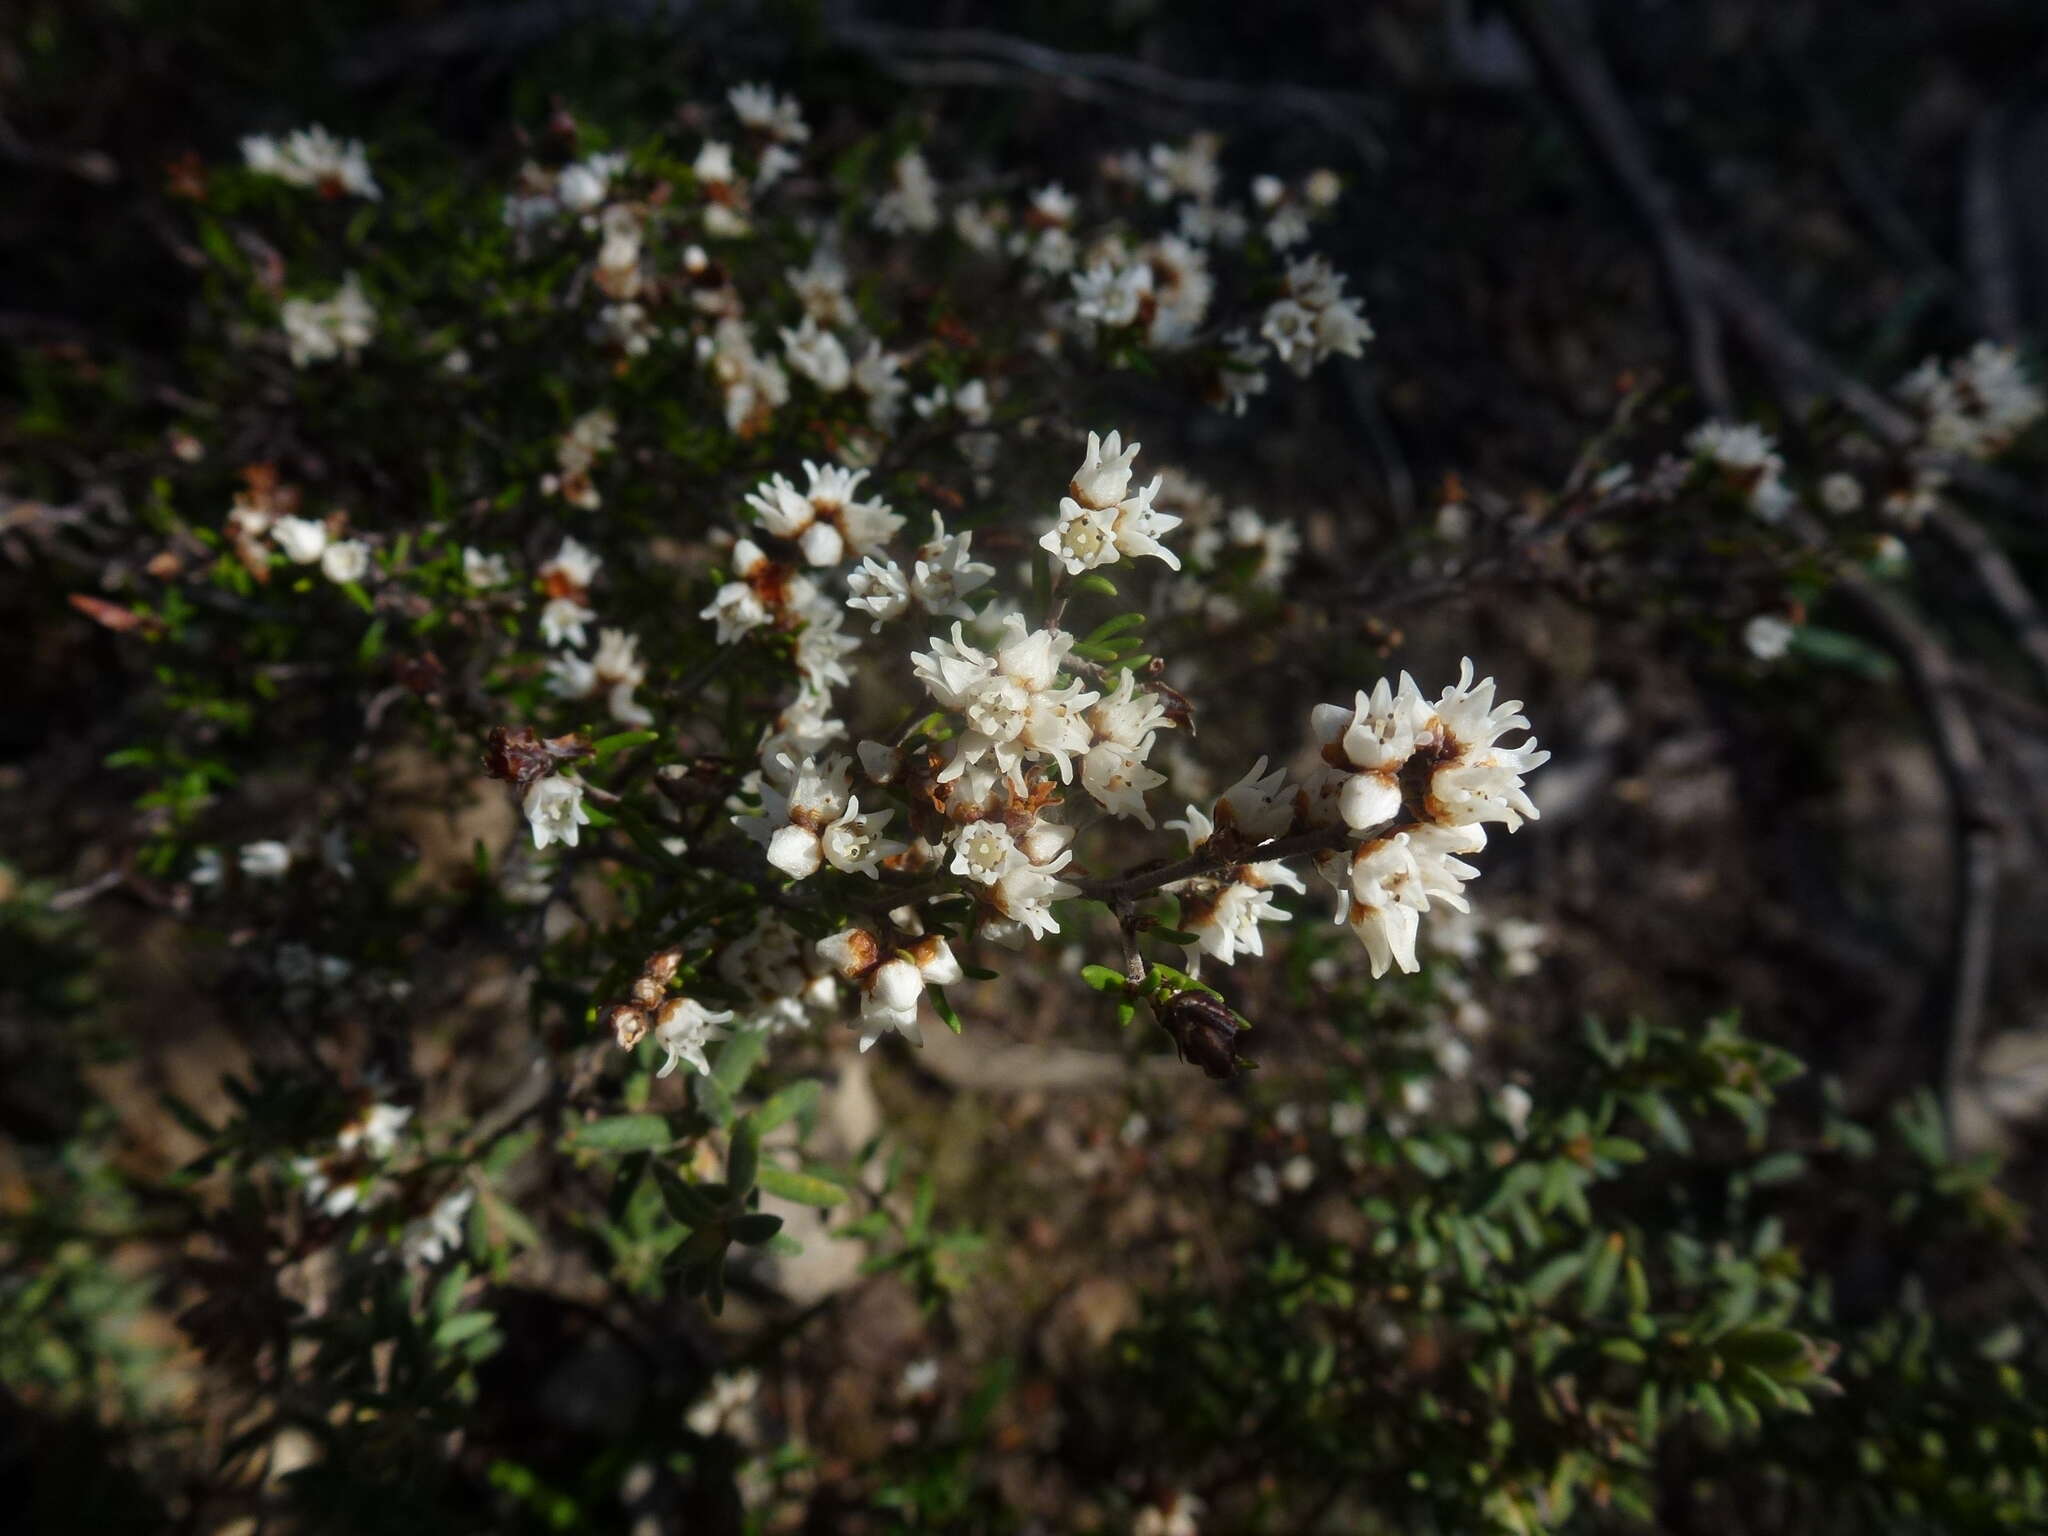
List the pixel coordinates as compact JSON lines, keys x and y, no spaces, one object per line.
{"x":1987,"y":232}
{"x":2000,"y":581}
{"x":1933,"y":678}
{"x":974,"y":56}
{"x":1147,"y":878}
{"x":1580,"y":75}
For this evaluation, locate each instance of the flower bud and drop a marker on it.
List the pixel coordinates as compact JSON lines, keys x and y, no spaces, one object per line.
{"x":628,"y":1024}
{"x":1205,"y":1033}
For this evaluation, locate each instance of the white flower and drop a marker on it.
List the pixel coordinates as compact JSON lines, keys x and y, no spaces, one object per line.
{"x":1176,"y":1517}
{"x":854,"y":845}
{"x":1225,"y":918}
{"x":1290,"y":329}
{"x":1116,"y":775}
{"x":822,"y":647}
{"x":375,"y":1130}
{"x":682,"y":1028}
{"x":1083,"y":538}
{"x":1768,"y":636}
{"x":571,"y":677}
{"x":573,"y":567}
{"x":791,"y":823}
{"x":482,"y":570}
{"x":1364,"y":749}
{"x":264,"y":860}
{"x":313,"y":157}
{"x":977,"y":228}
{"x":878,"y":375}
{"x":1841,"y":493}
{"x":1475,"y":779}
{"x":1112,"y":296}
{"x":879,"y":589}
{"x":714,"y":163}
{"x":985,"y":852}
{"x":303,"y":539}
{"x":1315,"y":320}
{"x":1386,"y":885}
{"x":1259,"y":806}
{"x":826,"y":520}
{"x":725,"y":1405}
{"x":432,"y":1237}
{"x":345,"y":560}
{"x":340,"y":325}
{"x":817,"y":355}
{"x":1521,"y":944}
{"x":554,"y":809}
{"x":1193,"y":170}
{"x":1013,"y":711}
{"x":1100,"y":522}
{"x":562,"y":620}
{"x":1243,"y":373}
{"x":1024,"y":893}
{"x":616,"y":668}
{"x":821,"y":289}
{"x":762,"y":592}
{"x":912,"y":204}
{"x":1978,"y":404}
{"x":779,"y":117}
{"x":890,"y":983}
{"x":1513,"y":1104}
{"x":945,"y":572}
{"x":1105,"y":473}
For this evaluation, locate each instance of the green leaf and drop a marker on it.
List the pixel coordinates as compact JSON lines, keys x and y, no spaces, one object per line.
{"x":1602,"y":1272}
{"x":1553,"y":1277}
{"x":743,"y":1157}
{"x":755,"y":1228}
{"x":1104,"y":978}
{"x":788,"y":1103}
{"x":1778,"y":1168}
{"x":1095,"y":582}
{"x":684,"y":1201}
{"x":623,"y":1133}
{"x":464,"y":1325}
{"x":942,"y":1008}
{"x":803,"y":1188}
{"x":1121,"y":624}
{"x":605,"y":746}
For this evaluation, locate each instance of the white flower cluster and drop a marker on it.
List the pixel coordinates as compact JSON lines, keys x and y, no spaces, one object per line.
{"x":1393,"y":755}
{"x":1976,"y":405}
{"x":1315,"y":320}
{"x":1748,"y":458}
{"x":320,"y":330}
{"x":313,"y":157}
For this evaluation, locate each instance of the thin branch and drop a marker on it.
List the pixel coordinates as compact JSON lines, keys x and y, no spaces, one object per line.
{"x":1986,"y":231}
{"x":1580,"y":75}
{"x":1147,"y":878}
{"x":975,"y":56}
{"x":2001,"y":583}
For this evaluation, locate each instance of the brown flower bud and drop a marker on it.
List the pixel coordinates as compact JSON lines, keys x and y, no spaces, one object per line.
{"x":647,"y":991}
{"x":627,"y":1023}
{"x":1205,"y":1032}
{"x":662,"y":966}
{"x":519,"y":755}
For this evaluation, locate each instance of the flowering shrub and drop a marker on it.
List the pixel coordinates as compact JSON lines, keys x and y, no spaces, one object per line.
{"x":632,"y":648}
